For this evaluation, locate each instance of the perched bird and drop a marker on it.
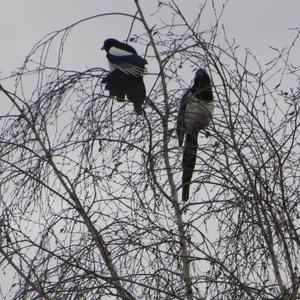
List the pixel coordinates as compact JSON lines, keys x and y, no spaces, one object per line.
{"x":195,"y":113}
{"x":126,"y":73}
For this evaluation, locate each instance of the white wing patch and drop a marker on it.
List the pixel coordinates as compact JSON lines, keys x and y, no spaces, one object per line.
{"x":118,"y":52}
{"x":127,"y":68}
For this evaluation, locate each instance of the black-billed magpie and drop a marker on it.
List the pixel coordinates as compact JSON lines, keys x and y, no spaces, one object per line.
{"x":126,"y":73}
{"x":195,"y":113}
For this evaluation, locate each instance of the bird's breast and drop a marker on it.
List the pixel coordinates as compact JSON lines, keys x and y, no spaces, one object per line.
{"x":198,"y":114}
{"x":111,"y":66}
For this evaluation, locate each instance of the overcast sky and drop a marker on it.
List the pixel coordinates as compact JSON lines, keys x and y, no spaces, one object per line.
{"x":255,"y":24}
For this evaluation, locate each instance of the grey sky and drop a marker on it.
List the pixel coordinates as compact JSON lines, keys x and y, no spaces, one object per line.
{"x":254,"y":24}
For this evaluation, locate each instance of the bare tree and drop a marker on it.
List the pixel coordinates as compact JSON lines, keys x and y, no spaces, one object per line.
{"x":89,"y":190}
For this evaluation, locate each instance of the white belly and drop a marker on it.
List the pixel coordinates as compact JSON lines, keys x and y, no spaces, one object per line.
{"x":198,"y":114}
{"x":111,"y":66}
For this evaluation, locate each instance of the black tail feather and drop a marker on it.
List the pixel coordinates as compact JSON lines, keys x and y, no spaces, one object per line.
{"x":188,"y":163}
{"x":120,"y":85}
{"x":136,"y":92}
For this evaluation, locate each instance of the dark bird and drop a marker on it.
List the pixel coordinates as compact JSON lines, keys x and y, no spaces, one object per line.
{"x":126,"y":73}
{"x":195,"y":113}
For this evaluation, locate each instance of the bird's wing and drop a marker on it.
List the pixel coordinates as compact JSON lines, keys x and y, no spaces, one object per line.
{"x":129,"y":64}
{"x":180,"y":127}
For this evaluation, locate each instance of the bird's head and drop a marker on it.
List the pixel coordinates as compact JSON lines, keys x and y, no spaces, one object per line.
{"x":113,"y":43}
{"x":109,"y":43}
{"x":202,"y":85}
{"x":201,"y":78}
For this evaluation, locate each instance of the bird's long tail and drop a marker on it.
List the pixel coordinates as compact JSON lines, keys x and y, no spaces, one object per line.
{"x":136,"y":93}
{"x":188,"y":163}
